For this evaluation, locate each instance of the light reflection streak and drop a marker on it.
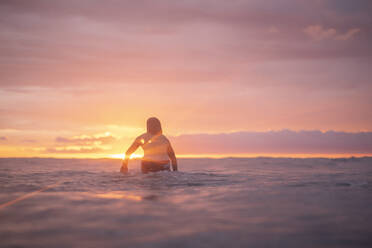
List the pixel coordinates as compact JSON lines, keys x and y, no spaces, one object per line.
{"x":21,"y":198}
{"x":118,"y":195}
{"x":108,"y":195}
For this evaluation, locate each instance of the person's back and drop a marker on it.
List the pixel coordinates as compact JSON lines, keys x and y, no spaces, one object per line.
{"x":157,"y":149}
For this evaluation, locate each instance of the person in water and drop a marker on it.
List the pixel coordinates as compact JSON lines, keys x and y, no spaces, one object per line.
{"x":157,"y":150}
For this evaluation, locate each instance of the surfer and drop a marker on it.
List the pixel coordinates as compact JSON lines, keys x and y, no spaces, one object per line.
{"x":157,"y":150}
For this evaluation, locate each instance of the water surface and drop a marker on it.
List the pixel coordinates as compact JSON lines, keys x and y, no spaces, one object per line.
{"x":232,"y":202}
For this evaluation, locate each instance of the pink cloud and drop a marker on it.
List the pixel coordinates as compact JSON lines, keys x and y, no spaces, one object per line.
{"x":87,"y":140}
{"x":317,"y":32}
{"x":275,"y":142}
{"x":349,"y":34}
{"x":65,"y":150}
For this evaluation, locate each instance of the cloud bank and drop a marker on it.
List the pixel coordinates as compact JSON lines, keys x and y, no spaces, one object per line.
{"x":87,"y":140}
{"x":317,"y":32}
{"x":57,"y":42}
{"x":270,"y":143}
{"x":275,"y":142}
{"x":80,"y":150}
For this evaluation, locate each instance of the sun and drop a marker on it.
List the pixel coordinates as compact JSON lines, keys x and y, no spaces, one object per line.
{"x":122,"y":156}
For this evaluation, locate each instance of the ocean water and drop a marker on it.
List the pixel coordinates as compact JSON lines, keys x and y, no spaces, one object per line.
{"x":232,"y":202}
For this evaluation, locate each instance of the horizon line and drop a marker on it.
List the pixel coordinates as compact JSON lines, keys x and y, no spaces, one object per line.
{"x":212,"y":156}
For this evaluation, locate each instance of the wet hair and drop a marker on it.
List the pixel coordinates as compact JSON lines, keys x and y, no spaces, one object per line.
{"x":154,"y":126}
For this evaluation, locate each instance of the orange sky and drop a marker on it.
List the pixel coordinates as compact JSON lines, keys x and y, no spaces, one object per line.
{"x":79,"y":79}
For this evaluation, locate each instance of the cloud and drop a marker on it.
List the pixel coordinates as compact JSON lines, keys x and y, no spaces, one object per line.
{"x":3,"y":138}
{"x":100,"y":139}
{"x":317,"y":32}
{"x":98,"y":143}
{"x":275,"y":142}
{"x":67,"y":150}
{"x":349,"y":34}
{"x":54,"y":43}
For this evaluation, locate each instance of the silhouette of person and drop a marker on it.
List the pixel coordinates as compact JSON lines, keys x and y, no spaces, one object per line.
{"x":157,"y":150}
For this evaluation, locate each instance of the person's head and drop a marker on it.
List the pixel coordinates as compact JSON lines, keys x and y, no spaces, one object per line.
{"x":154,"y":126}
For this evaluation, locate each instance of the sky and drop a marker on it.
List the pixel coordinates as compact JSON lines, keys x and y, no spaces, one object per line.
{"x":226,"y":78}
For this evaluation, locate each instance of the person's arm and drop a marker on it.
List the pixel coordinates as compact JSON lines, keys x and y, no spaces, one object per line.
{"x":172,"y":157}
{"x":131,"y":149}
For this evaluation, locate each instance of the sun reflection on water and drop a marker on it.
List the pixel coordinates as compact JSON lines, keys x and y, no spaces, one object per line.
{"x":119,"y":195}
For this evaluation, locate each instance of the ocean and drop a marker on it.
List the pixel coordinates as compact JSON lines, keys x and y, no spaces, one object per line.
{"x":229,"y":202}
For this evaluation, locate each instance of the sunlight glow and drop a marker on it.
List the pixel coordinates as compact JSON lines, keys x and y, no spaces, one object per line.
{"x":119,"y":195}
{"x":134,"y":155}
{"x":122,"y":156}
